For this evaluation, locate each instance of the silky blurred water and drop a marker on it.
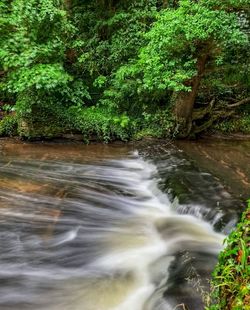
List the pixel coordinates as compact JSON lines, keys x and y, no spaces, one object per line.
{"x":93,"y":228}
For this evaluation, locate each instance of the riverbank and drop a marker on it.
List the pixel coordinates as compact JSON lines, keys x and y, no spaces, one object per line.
{"x":226,"y":136}
{"x":90,"y":128}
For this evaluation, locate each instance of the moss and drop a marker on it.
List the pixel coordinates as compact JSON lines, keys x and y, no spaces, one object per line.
{"x":32,"y":130}
{"x":231,"y":277}
{"x":43,"y":122}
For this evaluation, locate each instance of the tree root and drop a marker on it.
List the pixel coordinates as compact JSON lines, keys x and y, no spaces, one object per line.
{"x":214,"y":115}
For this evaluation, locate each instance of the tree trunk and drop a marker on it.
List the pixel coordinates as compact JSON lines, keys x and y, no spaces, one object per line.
{"x":68,"y":5}
{"x":185,"y":100}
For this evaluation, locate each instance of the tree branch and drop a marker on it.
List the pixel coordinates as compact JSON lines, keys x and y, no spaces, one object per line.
{"x":201,"y":112}
{"x":237,"y":104}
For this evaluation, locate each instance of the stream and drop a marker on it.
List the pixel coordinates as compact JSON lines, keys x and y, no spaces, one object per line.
{"x":115,"y":227}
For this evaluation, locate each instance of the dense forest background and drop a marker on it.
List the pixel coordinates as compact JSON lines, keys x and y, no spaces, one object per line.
{"x":119,"y":69}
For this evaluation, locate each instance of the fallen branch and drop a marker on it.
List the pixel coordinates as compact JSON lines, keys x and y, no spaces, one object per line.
{"x":237,"y":104}
{"x":214,"y":117}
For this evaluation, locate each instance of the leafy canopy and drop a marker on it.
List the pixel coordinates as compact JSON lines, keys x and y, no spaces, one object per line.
{"x":170,"y":49}
{"x":179,"y":37}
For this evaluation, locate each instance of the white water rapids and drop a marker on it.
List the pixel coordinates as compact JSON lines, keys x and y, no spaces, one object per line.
{"x":95,"y":236}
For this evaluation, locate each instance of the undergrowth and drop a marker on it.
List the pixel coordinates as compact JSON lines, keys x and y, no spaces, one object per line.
{"x":234,"y":125}
{"x":8,"y":126}
{"x":231,"y":277}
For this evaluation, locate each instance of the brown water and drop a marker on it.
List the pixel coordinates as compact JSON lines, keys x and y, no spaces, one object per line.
{"x":108,"y":227}
{"x":228,"y":160}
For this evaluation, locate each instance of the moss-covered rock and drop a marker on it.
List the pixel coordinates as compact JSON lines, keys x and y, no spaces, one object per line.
{"x":36,"y":130}
{"x":8,"y":126}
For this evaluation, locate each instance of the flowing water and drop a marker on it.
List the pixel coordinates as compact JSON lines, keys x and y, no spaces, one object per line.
{"x":119,"y":227}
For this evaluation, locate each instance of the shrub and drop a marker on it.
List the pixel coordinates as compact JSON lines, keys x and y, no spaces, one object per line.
{"x":157,"y":124}
{"x":94,"y":122}
{"x":230,"y":284}
{"x":8,"y":126}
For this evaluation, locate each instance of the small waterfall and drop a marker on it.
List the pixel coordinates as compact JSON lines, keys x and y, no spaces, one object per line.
{"x":99,"y":235}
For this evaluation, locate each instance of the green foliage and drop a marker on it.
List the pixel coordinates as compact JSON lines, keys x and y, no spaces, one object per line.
{"x":47,"y":120}
{"x":117,"y":63}
{"x":38,"y":32}
{"x":231,"y":286}
{"x":97,"y":123}
{"x":235,"y":125}
{"x":36,"y":36}
{"x":8,"y":126}
{"x":110,"y":38}
{"x":169,"y":58}
{"x":179,"y":37}
{"x":39,"y":76}
{"x":155,"y":125}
